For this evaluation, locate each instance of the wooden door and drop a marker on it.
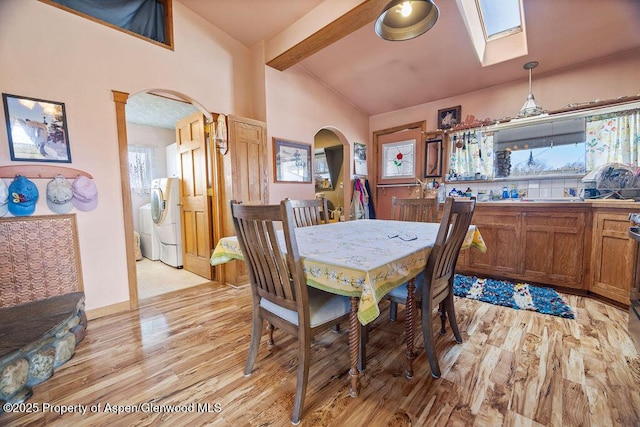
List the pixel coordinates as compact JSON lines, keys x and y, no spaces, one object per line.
{"x":245,"y":179}
{"x":500,"y":229}
{"x":553,"y":243}
{"x":194,"y":196}
{"x":613,"y":256}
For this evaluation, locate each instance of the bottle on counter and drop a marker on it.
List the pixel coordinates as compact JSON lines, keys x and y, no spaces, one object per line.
{"x":468,"y":192}
{"x":442,"y":193}
{"x":505,"y":192}
{"x":514,"y":192}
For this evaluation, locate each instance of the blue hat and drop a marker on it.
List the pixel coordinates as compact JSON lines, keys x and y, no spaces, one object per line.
{"x":23,"y":195}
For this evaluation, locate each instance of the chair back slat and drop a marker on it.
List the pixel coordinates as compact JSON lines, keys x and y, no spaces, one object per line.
{"x":275,"y":274}
{"x":309,"y":212}
{"x":454,"y":226}
{"x":416,"y":210}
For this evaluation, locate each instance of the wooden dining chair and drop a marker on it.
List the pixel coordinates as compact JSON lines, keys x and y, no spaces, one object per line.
{"x":416,"y":210}
{"x":435,"y":285}
{"x":280,"y":294}
{"x":308,"y":212}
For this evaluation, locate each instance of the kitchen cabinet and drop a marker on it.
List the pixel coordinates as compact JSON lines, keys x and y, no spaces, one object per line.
{"x":535,"y":243}
{"x":500,"y":230}
{"x":582,"y":246}
{"x":613,"y":257}
{"x":553,"y":244}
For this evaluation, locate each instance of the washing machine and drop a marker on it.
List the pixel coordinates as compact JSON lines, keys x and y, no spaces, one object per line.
{"x":165,"y":213}
{"x":149,"y":243}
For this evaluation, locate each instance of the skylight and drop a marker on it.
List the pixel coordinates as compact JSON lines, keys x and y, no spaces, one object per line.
{"x":499,"y":17}
{"x":497,"y":29}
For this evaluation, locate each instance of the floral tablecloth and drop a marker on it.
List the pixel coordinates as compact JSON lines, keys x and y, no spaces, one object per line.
{"x":365,"y":258}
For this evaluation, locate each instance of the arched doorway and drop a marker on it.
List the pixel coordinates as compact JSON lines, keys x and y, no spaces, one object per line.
{"x":120,"y":99}
{"x":339,"y":191}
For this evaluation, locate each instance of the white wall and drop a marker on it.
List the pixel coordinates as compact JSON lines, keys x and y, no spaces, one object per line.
{"x":50,"y":54}
{"x":159,"y":139}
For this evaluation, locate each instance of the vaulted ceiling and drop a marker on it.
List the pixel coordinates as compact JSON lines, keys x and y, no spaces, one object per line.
{"x":379,"y":76}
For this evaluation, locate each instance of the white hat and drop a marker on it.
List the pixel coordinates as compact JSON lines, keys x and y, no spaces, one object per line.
{"x":59,"y":195}
{"x":85,"y":194}
{"x":4,"y":198}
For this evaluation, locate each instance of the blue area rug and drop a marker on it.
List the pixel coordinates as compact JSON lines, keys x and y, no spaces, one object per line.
{"x":522,"y":296}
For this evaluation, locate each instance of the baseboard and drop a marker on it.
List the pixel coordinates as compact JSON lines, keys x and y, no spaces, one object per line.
{"x":108,"y":310}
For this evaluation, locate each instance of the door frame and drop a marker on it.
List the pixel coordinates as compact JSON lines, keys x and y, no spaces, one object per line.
{"x":120,"y":100}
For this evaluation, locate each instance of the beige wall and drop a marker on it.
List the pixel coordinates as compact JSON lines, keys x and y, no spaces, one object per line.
{"x":298,"y":106}
{"x":51,"y":54}
{"x":606,"y":79}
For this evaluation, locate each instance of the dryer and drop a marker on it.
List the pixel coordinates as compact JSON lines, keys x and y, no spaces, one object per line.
{"x":165,"y":213}
{"x":149,"y":243}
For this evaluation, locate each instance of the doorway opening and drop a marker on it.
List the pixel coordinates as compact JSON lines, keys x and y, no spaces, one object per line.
{"x":153,"y":214}
{"x":332,"y":170}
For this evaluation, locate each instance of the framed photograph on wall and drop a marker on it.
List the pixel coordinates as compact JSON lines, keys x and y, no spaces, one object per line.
{"x":37,"y":129}
{"x":292,"y":161}
{"x":449,"y":117}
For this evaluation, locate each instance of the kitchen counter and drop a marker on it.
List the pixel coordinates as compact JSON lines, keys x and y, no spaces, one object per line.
{"x":575,"y":244}
{"x":559,"y":203}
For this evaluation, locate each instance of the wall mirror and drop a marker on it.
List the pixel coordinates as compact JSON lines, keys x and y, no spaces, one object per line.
{"x":433,"y":158}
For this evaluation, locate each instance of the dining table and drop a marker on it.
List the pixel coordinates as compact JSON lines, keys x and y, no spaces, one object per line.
{"x":363,"y":260}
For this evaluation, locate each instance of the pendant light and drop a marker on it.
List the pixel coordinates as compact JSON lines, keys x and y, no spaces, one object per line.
{"x":530,"y":107}
{"x":404,"y":20}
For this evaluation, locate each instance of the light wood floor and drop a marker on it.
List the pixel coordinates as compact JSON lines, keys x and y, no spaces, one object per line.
{"x":515,"y":368}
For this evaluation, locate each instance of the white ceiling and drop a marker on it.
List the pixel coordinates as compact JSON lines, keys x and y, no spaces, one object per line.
{"x":379,"y":76}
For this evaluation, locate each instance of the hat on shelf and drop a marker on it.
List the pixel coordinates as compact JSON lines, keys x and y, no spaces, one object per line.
{"x":4,"y":198}
{"x":59,"y":195}
{"x":23,"y":195}
{"x":85,"y":194}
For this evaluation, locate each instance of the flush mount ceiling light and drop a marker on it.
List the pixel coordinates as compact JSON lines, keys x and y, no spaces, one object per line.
{"x":530,"y":107}
{"x":404,"y":20}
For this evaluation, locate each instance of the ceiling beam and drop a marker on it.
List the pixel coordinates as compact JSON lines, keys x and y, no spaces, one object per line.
{"x":356,"y":18}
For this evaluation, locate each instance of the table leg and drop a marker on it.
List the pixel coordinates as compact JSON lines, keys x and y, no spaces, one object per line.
{"x":364,"y":338}
{"x":354,"y":343}
{"x":410,"y":326}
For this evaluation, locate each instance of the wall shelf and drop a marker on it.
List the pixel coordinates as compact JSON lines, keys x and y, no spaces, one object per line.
{"x":41,"y":171}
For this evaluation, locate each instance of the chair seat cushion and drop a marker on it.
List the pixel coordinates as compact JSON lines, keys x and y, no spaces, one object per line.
{"x":323,"y":307}
{"x":401,"y":291}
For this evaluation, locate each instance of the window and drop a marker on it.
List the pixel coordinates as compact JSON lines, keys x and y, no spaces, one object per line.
{"x":141,"y":168}
{"x":496,"y":28}
{"x":150,"y":20}
{"x":553,"y":148}
{"x":499,"y":17}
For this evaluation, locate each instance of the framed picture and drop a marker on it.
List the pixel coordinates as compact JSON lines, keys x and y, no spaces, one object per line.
{"x":292,"y":161}
{"x":37,"y":129}
{"x":433,"y":158}
{"x":399,"y":160}
{"x":360,"y":158}
{"x":449,"y":117}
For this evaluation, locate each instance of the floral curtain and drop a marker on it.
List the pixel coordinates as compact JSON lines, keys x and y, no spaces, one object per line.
{"x":141,"y":168}
{"x":471,"y":152}
{"x":613,"y":138}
